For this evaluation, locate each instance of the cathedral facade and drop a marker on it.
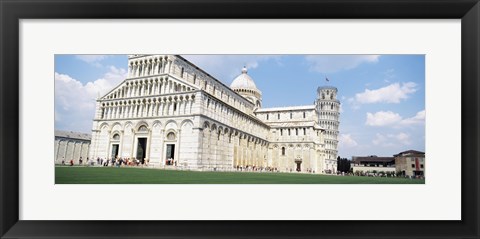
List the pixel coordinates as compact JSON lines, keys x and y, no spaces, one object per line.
{"x":169,"y":113}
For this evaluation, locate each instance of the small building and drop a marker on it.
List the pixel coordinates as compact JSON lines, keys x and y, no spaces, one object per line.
{"x":373,"y":164}
{"x":71,"y":145}
{"x":410,"y":163}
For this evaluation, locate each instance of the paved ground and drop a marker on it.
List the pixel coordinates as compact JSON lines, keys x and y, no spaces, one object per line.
{"x":133,"y":175}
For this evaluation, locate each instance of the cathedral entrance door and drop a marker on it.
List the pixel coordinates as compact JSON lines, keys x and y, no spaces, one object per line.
{"x":299,"y":163}
{"x":170,"y":156}
{"x":142,"y":149}
{"x":114,"y":151}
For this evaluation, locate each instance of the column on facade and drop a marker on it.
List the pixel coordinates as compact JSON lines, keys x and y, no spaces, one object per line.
{"x":111,"y":111}
{"x":127,"y":90}
{"x":57,"y":148}
{"x":160,"y":84}
{"x":134,"y":109}
{"x":153,"y":104}
{"x":147,"y":88}
{"x":165,"y":87}
{"x":187,"y":103}
{"x":155,"y":66}
{"x":160,"y":63}
{"x":114,"y":111}
{"x":155,"y":87}
{"x":65,"y":152}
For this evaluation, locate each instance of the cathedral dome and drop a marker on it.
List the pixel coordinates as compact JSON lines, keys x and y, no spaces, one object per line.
{"x":244,"y":81}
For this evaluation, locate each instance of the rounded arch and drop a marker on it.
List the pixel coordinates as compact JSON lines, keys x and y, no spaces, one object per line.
{"x":214,"y":127}
{"x":184,"y":122}
{"x":171,"y":124}
{"x":157,"y":124}
{"x":128,"y":124}
{"x":116,"y":126}
{"x":206,"y":125}
{"x":171,"y":134}
{"x":104,"y":126}
{"x":142,"y":123}
{"x":115,"y":135}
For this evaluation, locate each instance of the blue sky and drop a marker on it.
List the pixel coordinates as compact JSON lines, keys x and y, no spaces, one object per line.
{"x":382,"y":96}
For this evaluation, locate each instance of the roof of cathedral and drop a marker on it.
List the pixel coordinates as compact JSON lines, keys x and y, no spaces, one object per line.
{"x":72,"y":135}
{"x":244,"y":81}
{"x":301,"y":107}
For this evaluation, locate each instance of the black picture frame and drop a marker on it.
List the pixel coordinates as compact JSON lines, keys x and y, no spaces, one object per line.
{"x":12,"y":11}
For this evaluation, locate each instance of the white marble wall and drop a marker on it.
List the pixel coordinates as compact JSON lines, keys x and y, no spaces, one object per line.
{"x":214,"y":127}
{"x":67,"y":149}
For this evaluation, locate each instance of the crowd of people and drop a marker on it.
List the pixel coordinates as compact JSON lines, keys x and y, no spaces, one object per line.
{"x":253,"y":168}
{"x":119,"y":162}
{"x":122,"y":162}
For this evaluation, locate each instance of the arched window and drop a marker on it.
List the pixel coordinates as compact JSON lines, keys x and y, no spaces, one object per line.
{"x":304,"y":115}
{"x":267,"y":116}
{"x":278,"y":116}
{"x":290,"y":115}
{"x":304,"y":131}
{"x":181,"y":73}
{"x":283,"y":150}
{"x":323,"y":95}
{"x":194,"y":79}
{"x":281,"y":132}
{"x":296,"y":131}
{"x":289,"y":132}
{"x":142,"y":128}
{"x":116,"y":137}
{"x":331,"y":107}
{"x":171,"y":136}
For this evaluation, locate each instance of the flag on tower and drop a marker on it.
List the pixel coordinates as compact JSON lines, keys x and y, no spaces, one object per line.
{"x":327,"y":79}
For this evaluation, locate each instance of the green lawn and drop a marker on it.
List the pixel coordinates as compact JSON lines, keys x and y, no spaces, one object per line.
{"x":113,"y":175}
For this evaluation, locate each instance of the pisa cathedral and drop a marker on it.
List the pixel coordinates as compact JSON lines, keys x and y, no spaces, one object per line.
{"x":169,"y":113}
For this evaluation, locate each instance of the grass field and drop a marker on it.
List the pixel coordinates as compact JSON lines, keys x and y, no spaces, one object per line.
{"x":113,"y":175}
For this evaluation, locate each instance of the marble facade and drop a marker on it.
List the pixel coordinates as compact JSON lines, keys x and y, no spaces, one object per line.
{"x":170,"y":113}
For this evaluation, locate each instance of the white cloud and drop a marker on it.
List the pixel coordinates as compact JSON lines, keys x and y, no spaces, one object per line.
{"x":347,"y":141}
{"x":393,"y":93}
{"x":419,"y":118}
{"x":391,"y":139}
{"x":334,"y":63}
{"x":226,"y":67}
{"x":383,"y":118}
{"x":92,"y":59}
{"x":386,"y":118}
{"x":402,"y":138}
{"x":75,"y":102}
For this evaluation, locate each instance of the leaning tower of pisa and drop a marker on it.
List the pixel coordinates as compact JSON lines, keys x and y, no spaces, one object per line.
{"x":328,"y":108}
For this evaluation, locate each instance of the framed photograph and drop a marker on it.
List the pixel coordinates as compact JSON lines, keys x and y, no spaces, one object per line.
{"x":239,"y":119}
